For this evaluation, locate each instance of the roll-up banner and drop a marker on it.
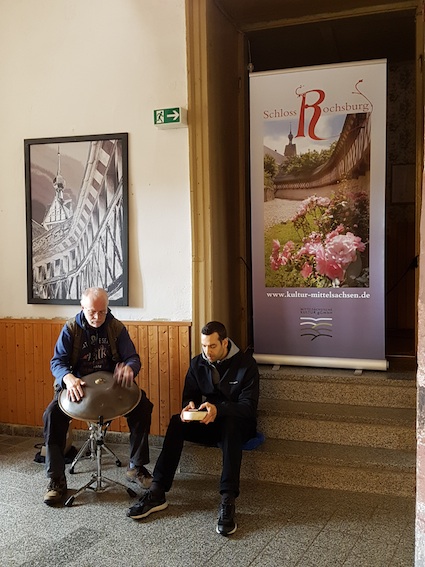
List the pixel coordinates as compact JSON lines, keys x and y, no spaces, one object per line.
{"x":318,"y":138}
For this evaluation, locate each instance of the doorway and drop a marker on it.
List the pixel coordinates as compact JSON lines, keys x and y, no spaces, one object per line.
{"x":361,"y":38}
{"x":233,"y":34}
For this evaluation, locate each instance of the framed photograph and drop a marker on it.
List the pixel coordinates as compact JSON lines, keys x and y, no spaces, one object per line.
{"x":77,"y":217}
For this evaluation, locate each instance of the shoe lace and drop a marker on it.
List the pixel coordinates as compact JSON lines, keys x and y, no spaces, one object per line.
{"x":143,"y":472}
{"x":147,"y":496}
{"x":55,"y":484}
{"x":226,"y":511}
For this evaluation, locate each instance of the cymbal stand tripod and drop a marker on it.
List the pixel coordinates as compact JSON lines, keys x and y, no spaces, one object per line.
{"x":96,"y":441}
{"x":88,"y":449}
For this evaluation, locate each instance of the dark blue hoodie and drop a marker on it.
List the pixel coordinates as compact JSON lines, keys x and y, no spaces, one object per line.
{"x":96,"y":354}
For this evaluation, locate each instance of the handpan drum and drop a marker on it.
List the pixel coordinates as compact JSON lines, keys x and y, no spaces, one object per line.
{"x":103,"y":397}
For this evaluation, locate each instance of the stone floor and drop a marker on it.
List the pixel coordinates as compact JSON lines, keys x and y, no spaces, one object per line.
{"x":278,"y":526}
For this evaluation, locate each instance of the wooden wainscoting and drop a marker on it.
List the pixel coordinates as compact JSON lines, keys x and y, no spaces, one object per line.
{"x":26,"y":383}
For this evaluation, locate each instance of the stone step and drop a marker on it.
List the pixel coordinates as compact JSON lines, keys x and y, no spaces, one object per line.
{"x":317,"y":465}
{"x":329,"y":428}
{"x":391,"y":428}
{"x":391,"y":389}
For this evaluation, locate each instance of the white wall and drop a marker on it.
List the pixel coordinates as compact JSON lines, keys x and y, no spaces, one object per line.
{"x":77,"y":67}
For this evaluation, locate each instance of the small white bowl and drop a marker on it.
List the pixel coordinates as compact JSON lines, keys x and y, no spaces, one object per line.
{"x":194,"y":415}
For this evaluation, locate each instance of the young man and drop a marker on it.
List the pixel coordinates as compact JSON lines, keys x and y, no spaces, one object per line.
{"x":83,"y":347}
{"x":224,"y":382}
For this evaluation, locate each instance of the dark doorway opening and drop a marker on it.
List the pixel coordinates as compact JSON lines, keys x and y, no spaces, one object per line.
{"x":389,"y":36}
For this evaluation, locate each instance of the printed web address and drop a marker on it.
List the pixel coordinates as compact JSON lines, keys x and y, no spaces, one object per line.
{"x":319,"y":294}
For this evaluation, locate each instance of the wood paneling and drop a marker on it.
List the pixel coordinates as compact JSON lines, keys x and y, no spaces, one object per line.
{"x":26,"y":347}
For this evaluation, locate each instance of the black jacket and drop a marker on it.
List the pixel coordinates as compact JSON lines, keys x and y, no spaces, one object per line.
{"x":238,"y":390}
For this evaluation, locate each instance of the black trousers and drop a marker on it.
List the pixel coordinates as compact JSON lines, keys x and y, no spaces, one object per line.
{"x":56,"y":424}
{"x":227,"y":433}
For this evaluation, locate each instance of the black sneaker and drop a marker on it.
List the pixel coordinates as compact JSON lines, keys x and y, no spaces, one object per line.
{"x":56,"y":490}
{"x":148,"y":504}
{"x":226,"y":524}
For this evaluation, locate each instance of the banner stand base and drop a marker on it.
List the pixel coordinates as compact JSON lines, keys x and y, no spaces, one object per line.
{"x":358,"y":365}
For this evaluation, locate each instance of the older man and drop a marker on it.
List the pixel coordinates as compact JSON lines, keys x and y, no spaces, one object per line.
{"x":93,"y":341}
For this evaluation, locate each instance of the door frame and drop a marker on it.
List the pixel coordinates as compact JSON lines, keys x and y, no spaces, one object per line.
{"x":200,"y":17}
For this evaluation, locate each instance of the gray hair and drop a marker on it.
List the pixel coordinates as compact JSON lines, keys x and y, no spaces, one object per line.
{"x":94,"y":292}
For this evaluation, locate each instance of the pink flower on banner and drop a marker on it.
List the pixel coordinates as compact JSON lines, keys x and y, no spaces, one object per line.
{"x":323,"y":201}
{"x":306,"y":270}
{"x":274,"y":257}
{"x":277,"y":258}
{"x":339,"y":229}
{"x":331,"y":233}
{"x":310,"y":204}
{"x":328,"y":266}
{"x":311,"y":244}
{"x":339,"y":251}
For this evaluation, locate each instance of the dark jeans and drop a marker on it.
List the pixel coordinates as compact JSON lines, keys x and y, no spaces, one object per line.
{"x":228,"y":433}
{"x":56,"y":424}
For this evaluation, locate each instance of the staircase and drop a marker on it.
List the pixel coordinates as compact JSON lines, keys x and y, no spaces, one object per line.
{"x":328,"y":428}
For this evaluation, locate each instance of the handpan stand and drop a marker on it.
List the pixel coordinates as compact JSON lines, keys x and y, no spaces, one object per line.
{"x":103,"y":401}
{"x":88,"y":450}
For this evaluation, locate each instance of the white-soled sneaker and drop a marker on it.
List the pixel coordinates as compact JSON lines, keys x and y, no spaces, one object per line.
{"x":226,"y":524}
{"x":148,"y":504}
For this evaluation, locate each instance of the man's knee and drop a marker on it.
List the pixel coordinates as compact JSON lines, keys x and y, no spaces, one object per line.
{"x":145,"y":404}
{"x":237,"y":429}
{"x":56,"y":424}
{"x":175,"y":422}
{"x":175,"y":426}
{"x":53,"y":414}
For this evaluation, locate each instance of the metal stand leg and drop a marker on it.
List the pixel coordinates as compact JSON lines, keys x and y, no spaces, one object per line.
{"x":89,"y":447}
{"x":97,"y":436}
{"x":81,"y":452}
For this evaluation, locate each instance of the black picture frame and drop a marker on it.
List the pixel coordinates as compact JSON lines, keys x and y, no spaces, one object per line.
{"x":76,"y":217}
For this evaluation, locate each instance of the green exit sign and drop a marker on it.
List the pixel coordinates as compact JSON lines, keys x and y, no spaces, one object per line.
{"x":170,"y":117}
